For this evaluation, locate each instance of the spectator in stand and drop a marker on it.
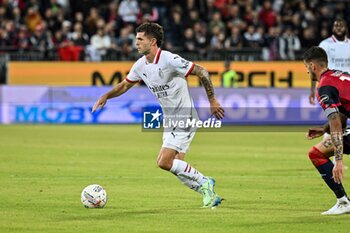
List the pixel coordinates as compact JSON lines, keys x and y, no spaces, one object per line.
{"x":78,"y":37}
{"x":79,"y":17}
{"x":2,"y":14}
{"x":100,"y":44}
{"x":289,"y":43}
{"x":128,"y":10}
{"x":201,"y":37}
{"x":22,"y":42}
{"x":216,"y":22}
{"x":251,"y":38}
{"x":235,"y":41}
{"x":267,"y":16}
{"x":40,"y":40}
{"x":233,"y":18}
{"x":270,"y":50}
{"x":17,"y":18}
{"x":217,"y":40}
{"x":5,"y":40}
{"x":33,"y":19}
{"x":190,"y":41}
{"x":147,"y":13}
{"x":91,"y":21}
{"x":176,"y":28}
{"x":125,"y":42}
{"x":193,"y":17}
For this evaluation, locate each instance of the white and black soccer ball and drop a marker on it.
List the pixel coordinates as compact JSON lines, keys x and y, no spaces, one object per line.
{"x":94,"y":196}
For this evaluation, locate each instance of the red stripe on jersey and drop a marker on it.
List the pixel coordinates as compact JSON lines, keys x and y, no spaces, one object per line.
{"x":334,"y":40}
{"x":189,"y":71}
{"x":158,"y":56}
{"x":129,"y":81}
{"x":334,"y":105}
{"x":189,"y":169}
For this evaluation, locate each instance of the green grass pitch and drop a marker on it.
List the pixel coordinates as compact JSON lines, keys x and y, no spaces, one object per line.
{"x":266,"y":178}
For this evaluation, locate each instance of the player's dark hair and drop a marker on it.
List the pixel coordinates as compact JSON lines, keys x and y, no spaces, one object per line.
{"x":338,"y":19}
{"x":152,"y":30}
{"x":317,"y":54}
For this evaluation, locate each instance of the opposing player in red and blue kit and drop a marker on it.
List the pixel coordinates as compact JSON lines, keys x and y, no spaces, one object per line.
{"x":333,"y":94}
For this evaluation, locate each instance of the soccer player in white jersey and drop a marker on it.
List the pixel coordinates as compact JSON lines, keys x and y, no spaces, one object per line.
{"x":337,"y":48}
{"x":165,"y":75}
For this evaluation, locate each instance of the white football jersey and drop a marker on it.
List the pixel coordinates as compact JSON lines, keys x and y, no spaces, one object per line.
{"x":166,"y":79}
{"x":338,"y":53}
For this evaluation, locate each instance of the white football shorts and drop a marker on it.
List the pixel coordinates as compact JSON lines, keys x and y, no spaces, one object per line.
{"x":179,"y":141}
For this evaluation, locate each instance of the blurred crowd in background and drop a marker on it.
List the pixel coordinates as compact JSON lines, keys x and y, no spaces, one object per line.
{"x":96,"y":30}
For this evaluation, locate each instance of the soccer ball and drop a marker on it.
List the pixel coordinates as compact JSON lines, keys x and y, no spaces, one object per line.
{"x":94,"y":196}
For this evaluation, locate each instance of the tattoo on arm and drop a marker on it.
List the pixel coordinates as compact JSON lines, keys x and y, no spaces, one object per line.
{"x":337,"y":139}
{"x":344,"y":122}
{"x":336,"y":134}
{"x":205,"y":80}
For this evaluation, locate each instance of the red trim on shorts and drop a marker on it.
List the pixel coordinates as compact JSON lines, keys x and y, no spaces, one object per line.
{"x":189,"y":71}
{"x":129,"y":81}
{"x":186,"y":168}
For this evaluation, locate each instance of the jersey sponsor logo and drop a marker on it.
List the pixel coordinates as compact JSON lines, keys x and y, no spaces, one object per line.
{"x":160,"y":91}
{"x":160,"y":88}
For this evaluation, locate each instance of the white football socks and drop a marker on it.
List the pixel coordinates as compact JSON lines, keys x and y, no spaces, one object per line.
{"x":188,"y":175}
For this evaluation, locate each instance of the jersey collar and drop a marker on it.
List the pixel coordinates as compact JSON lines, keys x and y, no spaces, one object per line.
{"x":322,"y":74}
{"x":156,"y":58}
{"x":346,"y":40}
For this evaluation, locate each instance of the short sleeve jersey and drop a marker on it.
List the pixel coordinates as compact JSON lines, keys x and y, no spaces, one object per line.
{"x":338,"y":53}
{"x":333,"y":92}
{"x":166,"y":79}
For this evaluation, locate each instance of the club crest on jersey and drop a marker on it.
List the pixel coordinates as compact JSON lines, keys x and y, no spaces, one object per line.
{"x":160,"y":73}
{"x":324,"y":98}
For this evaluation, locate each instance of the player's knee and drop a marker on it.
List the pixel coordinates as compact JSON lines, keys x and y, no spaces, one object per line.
{"x":164,"y":164}
{"x":317,"y":157}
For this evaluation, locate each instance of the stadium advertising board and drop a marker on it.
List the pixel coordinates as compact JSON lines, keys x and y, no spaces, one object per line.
{"x":257,"y":74}
{"x":60,"y":105}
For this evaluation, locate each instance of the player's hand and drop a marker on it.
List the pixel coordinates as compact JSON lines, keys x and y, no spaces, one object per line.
{"x":312,"y":98}
{"x":338,"y":171}
{"x":101,"y":102}
{"x":216,"y":109}
{"x":314,"y":133}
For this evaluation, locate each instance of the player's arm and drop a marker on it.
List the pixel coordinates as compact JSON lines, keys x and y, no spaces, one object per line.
{"x":204,"y":78}
{"x":330,"y":101}
{"x":337,"y":139}
{"x":312,"y":92}
{"x":118,"y":90}
{"x":319,"y":131}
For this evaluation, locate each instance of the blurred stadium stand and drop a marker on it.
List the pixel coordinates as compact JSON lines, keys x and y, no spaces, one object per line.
{"x":238,"y":30}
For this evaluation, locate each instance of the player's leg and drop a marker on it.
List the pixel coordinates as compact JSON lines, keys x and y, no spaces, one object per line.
{"x":187,"y":174}
{"x":319,"y":156}
{"x":170,"y":160}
